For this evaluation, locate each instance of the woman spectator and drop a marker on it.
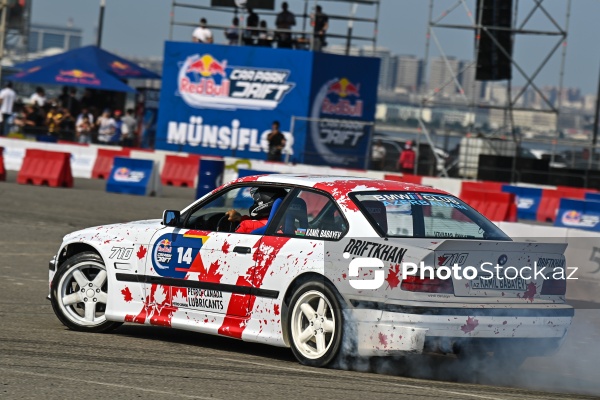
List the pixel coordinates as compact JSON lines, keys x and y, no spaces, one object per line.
{"x":84,"y":130}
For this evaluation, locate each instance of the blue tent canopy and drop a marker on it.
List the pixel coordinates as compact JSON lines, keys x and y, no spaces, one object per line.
{"x":100,"y":59}
{"x":72,"y":72}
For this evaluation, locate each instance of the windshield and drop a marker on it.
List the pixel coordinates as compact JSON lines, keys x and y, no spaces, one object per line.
{"x":425,"y":215}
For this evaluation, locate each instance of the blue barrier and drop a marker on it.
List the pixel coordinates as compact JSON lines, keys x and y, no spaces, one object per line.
{"x":528,"y":200}
{"x":592,"y":196}
{"x":579,"y":214}
{"x":132,"y":176}
{"x":46,"y":138}
{"x":210,"y":176}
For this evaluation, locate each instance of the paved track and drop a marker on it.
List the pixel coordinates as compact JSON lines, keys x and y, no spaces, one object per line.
{"x":39,"y":358}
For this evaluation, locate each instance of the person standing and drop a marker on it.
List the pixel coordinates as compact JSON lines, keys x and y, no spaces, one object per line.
{"x":233,"y":32}
{"x":251,"y":34}
{"x":38,"y":98}
{"x":276,"y":143}
{"x":406,"y":162}
{"x":202,"y":34}
{"x":320,"y":23}
{"x":84,"y":130}
{"x":106,"y":127}
{"x":128,"y":128}
{"x":285,"y":20}
{"x":7,"y":99}
{"x":378,"y":153}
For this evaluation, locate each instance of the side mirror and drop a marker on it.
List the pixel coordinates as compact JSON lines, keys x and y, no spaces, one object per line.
{"x":171,"y":218}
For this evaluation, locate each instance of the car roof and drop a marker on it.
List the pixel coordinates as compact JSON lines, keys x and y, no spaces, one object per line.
{"x":336,"y":185}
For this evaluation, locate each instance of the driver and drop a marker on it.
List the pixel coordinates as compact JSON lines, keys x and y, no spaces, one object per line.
{"x":264,"y":198}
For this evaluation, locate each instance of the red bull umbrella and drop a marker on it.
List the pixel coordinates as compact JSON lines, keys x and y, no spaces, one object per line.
{"x":71,"y":72}
{"x":100,"y":59}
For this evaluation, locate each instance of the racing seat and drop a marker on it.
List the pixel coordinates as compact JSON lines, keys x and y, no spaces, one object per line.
{"x":263,"y":230}
{"x":296,"y":217}
{"x":378,"y":212}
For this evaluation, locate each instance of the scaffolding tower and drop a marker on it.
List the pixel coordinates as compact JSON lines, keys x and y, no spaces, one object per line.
{"x":523,"y":13}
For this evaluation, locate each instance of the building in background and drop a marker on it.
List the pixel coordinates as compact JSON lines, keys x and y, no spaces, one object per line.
{"x":43,"y":37}
{"x":409,"y":74}
{"x":473,"y":89}
{"x":441,"y":72}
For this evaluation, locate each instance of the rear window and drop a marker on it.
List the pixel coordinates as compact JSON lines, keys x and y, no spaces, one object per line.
{"x":425,"y":215}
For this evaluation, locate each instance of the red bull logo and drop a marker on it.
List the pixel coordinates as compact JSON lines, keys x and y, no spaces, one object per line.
{"x":344,"y":90}
{"x":121,"y":68}
{"x":207,"y":66}
{"x":124,"y":174}
{"x":77,"y":76}
{"x":198,"y":77}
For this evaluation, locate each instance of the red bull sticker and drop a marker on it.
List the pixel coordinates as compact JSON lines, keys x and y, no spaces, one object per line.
{"x":125,"y":174}
{"x":78,"y":76}
{"x":206,"y":82}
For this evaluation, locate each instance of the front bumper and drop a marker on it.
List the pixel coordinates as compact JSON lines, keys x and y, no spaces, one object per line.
{"x":397,"y":329}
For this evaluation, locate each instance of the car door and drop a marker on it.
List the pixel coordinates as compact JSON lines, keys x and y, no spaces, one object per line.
{"x":205,"y":265}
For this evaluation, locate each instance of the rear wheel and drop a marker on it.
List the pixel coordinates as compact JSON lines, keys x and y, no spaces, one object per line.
{"x":315,"y":324}
{"x":80,"y":292}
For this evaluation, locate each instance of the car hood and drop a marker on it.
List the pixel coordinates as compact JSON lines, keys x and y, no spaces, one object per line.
{"x":136,"y":231}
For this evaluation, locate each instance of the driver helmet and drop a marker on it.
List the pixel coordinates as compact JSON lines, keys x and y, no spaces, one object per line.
{"x":264,"y":198}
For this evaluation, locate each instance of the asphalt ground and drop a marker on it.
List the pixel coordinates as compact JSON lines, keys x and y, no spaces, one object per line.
{"x":40,"y":358}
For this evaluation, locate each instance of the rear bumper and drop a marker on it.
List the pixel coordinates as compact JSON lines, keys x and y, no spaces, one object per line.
{"x":400,"y":329}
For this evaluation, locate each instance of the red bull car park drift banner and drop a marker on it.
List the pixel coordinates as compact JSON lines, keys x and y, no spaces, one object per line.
{"x":221,"y":100}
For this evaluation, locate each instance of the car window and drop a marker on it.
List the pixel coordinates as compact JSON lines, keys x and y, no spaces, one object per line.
{"x":311,"y":215}
{"x":425,"y":215}
{"x":211,"y":216}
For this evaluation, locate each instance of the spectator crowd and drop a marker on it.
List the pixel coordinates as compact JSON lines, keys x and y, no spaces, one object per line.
{"x":66,"y":117}
{"x":257,"y":33}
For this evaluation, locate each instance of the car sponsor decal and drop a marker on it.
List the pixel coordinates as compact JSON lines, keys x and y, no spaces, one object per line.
{"x":419,"y":199}
{"x":174,"y":255}
{"x":384,"y":252}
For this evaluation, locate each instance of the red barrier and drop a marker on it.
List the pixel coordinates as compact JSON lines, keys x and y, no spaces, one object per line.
{"x":180,"y":171}
{"x":482,"y":186}
{"x":496,"y":206}
{"x":49,"y":168}
{"x":405,"y":178}
{"x":2,"y":169}
{"x":104,"y":162}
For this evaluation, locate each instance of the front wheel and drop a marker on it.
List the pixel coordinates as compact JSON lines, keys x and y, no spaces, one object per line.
{"x":315,"y":324}
{"x":80,"y":292}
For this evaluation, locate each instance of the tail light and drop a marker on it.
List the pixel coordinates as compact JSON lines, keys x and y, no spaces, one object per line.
{"x":414,"y":283}
{"x":554,"y":287}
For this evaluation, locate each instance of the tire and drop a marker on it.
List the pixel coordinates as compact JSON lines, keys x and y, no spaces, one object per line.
{"x":80,"y":292}
{"x":315,"y":324}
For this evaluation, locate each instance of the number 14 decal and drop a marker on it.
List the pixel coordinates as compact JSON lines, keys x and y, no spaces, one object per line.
{"x":184,"y":255}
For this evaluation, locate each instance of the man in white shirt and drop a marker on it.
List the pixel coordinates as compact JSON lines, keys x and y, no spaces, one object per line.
{"x":106,"y":127}
{"x":7,"y":99}
{"x":38,"y":98}
{"x":378,"y":156}
{"x":202,"y":34}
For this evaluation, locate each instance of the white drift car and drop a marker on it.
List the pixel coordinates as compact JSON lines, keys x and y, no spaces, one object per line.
{"x":321,"y":261}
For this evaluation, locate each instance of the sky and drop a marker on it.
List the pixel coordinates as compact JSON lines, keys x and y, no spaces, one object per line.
{"x":140,"y":27}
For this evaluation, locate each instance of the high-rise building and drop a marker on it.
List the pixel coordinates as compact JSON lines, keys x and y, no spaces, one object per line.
{"x":409,"y":73}
{"x":387,"y":72}
{"x":441,"y":72}
{"x":43,"y":37}
{"x":473,"y":89}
